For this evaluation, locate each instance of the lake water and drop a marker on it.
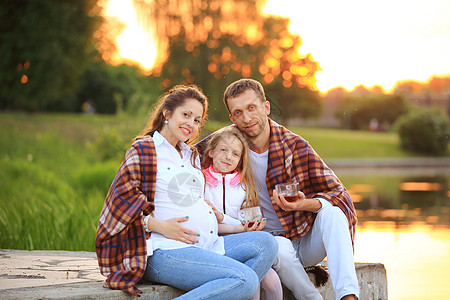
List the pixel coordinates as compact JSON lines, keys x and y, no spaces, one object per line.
{"x":404,"y":223}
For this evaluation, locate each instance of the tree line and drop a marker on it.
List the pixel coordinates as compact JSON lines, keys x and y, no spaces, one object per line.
{"x":53,"y":56}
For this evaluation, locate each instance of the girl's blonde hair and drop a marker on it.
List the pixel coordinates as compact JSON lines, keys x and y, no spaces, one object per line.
{"x":244,"y":167}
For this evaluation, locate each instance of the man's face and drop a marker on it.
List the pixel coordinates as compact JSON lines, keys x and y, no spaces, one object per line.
{"x":249,"y":113}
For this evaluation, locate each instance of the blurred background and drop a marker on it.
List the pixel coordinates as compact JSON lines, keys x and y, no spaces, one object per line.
{"x":366,"y":82}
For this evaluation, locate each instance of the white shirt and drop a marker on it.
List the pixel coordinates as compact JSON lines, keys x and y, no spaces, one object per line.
{"x":234,"y":194}
{"x":179,"y":193}
{"x":259,"y":167}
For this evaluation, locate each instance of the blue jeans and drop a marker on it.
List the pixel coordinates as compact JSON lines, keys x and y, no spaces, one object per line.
{"x":207,"y":275}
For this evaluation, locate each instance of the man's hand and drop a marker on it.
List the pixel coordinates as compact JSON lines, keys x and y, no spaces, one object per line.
{"x":218,"y":214}
{"x":172,"y":229}
{"x":302,"y":203}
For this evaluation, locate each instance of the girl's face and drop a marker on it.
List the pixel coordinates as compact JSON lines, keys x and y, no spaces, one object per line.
{"x":226,"y":155}
{"x":183,"y":122}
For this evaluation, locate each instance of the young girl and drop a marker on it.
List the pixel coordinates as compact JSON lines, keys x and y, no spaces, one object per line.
{"x":156,"y":225}
{"x":230,"y":186}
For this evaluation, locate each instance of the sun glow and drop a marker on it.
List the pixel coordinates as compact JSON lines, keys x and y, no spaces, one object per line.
{"x":370,"y":43}
{"x":134,"y":43}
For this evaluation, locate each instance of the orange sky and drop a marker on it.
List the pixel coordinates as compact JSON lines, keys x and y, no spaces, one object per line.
{"x":356,"y":42}
{"x":371,"y":42}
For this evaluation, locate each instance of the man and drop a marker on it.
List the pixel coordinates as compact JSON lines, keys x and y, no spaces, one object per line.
{"x":321,"y":223}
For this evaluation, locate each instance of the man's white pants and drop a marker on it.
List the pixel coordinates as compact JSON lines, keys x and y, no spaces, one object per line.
{"x":329,"y":237}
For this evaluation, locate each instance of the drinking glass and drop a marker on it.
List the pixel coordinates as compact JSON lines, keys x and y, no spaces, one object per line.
{"x":288,"y":190}
{"x":250,"y":214}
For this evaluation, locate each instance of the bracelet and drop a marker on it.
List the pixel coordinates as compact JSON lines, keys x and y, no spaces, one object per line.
{"x":146,"y":223}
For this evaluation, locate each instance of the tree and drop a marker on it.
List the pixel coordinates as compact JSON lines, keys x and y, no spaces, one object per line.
{"x":46,"y":46}
{"x":356,"y":112}
{"x":293,"y":102}
{"x":424,"y":131}
{"x":220,"y":41}
{"x":111,"y":88}
{"x":289,"y":77}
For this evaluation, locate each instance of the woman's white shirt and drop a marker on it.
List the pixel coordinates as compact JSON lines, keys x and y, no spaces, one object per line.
{"x":180,"y":193}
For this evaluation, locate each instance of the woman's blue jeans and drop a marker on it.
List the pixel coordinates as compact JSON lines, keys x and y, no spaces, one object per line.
{"x":207,"y":275}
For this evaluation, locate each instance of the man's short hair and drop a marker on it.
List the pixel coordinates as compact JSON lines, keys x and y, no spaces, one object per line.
{"x":240,"y":86}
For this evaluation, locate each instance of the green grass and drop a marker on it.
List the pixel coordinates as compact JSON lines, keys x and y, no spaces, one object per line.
{"x":52,"y":181}
{"x":56,"y":170}
{"x":339,"y":143}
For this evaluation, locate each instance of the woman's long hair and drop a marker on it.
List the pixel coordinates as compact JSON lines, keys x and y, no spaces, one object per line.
{"x":244,"y":166}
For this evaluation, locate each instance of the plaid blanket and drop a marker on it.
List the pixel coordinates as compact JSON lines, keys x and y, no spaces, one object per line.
{"x":121,"y":240}
{"x":292,"y":159}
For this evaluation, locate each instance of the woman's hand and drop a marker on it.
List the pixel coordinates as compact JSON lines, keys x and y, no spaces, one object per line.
{"x":257,"y":225}
{"x":173,"y":229}
{"x":218,"y":214}
{"x":228,"y":229}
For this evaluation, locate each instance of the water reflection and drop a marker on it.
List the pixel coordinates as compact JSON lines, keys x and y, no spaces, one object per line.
{"x":404,"y":223}
{"x":421,"y":186}
{"x":401,"y":199}
{"x":416,"y":257}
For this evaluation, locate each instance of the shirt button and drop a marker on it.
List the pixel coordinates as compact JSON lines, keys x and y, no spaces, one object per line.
{"x":168,"y":168}
{"x":210,"y":212}
{"x":182,"y":166}
{"x":211,"y":232}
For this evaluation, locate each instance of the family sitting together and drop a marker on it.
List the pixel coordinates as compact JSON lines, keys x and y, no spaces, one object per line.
{"x":171,"y":215}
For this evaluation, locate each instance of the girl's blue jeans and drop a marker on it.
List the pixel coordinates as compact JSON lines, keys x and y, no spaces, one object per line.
{"x":207,"y":275}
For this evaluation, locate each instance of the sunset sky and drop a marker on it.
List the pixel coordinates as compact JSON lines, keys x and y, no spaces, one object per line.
{"x":356,"y":42}
{"x":371,"y":42}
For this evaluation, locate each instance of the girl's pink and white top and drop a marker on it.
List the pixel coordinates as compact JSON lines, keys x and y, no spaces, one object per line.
{"x":226,"y":193}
